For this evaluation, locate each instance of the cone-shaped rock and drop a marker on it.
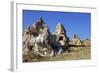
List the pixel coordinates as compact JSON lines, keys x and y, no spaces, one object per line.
{"x":60,"y":29}
{"x":61,"y":36}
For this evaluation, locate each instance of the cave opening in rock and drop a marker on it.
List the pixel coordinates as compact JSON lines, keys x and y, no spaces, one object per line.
{"x":60,"y":38}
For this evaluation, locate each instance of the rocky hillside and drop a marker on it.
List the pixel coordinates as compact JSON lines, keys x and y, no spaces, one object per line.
{"x":39,"y":42}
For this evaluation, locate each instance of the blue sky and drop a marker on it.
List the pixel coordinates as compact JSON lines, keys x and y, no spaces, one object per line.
{"x":74,"y":22}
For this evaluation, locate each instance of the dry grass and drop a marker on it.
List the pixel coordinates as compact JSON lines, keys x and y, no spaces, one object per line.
{"x":76,"y":54}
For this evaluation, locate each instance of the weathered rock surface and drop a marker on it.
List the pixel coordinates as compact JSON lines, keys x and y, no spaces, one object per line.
{"x":76,"y":40}
{"x":61,"y":36}
{"x":36,"y":40}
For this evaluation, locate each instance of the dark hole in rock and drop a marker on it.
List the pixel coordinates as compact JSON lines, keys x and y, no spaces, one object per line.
{"x":61,"y":38}
{"x":27,"y":33}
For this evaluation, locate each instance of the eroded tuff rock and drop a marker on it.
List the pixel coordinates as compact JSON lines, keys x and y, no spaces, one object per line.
{"x":36,"y":39}
{"x":76,"y":40}
{"x":61,"y":36}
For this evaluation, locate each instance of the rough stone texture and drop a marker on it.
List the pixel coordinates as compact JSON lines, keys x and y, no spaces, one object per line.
{"x":76,"y":40}
{"x":61,"y":36}
{"x":36,"y":40}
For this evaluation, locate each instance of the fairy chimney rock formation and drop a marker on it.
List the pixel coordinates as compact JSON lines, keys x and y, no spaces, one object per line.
{"x":76,"y":40}
{"x":38,"y":27}
{"x":61,"y":35}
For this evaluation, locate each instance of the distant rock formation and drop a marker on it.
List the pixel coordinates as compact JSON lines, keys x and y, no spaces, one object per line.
{"x":76,"y":40}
